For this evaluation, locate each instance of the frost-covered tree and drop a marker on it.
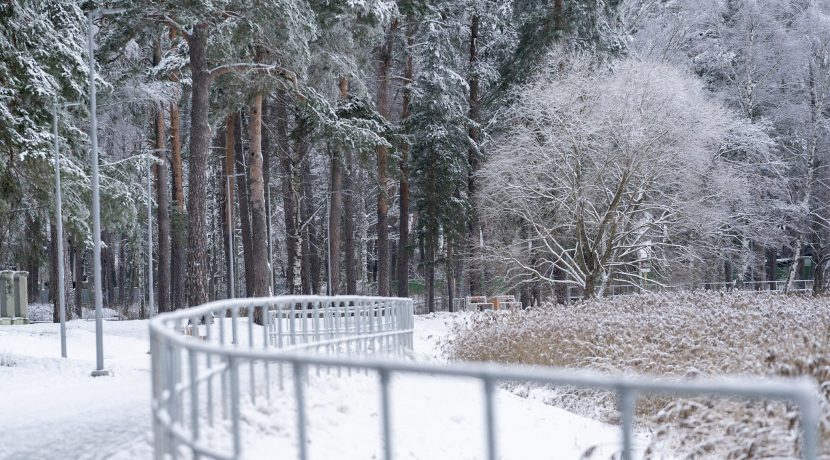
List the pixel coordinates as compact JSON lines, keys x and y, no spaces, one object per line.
{"x":438,"y":129}
{"x":41,"y":64}
{"x":607,"y":169}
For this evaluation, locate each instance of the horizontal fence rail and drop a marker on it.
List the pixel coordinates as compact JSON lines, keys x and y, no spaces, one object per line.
{"x":200,"y":357}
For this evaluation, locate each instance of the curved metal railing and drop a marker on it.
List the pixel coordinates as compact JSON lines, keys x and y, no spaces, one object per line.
{"x":200,"y":355}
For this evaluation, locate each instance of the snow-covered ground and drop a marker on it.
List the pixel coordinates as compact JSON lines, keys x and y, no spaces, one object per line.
{"x":51,"y":408}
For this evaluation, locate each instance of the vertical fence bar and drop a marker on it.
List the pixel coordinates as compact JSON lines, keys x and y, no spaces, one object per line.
{"x":209,"y":365}
{"x":385,"y":415}
{"x":160,"y":377}
{"x":809,"y":428}
{"x":251,"y":363}
{"x":292,"y":328}
{"x":171,"y":399}
{"x":299,"y":399}
{"x":223,"y":379}
{"x":490,"y":418}
{"x":194,"y":399}
{"x":234,"y":326}
{"x":279,"y":318}
{"x":266,"y":324}
{"x":305,"y":312}
{"x":627,"y":397}
{"x":315,"y":324}
{"x":235,"y":416}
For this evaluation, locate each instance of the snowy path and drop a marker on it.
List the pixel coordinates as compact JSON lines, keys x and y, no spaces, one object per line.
{"x":51,"y":408}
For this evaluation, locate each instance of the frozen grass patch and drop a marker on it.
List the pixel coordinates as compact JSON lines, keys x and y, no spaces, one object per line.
{"x":671,"y":335}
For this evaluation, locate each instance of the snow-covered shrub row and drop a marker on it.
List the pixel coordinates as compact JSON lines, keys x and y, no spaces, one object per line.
{"x":671,"y":335}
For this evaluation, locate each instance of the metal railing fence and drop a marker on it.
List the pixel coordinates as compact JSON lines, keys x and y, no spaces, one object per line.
{"x":199,"y":355}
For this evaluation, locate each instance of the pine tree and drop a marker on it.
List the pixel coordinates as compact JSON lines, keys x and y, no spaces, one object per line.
{"x":438,"y":128}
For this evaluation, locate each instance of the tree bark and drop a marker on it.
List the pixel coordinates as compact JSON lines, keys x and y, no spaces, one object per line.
{"x":267,"y":119}
{"x":384,"y":67}
{"x":228,"y":186}
{"x":289,"y":202}
{"x":771,"y":267}
{"x":312,"y":259}
{"x":449,"y":275}
{"x":430,"y":268}
{"x":348,"y":226}
{"x":178,"y":256}
{"x":404,"y":248}
{"x":197,"y":264}
{"x":258,"y":283}
{"x":336,"y":201}
{"x":162,"y":201}
{"x":243,"y":198}
{"x":77,"y":277}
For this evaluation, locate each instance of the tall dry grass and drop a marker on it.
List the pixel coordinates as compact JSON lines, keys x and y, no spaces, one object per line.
{"x":672,"y":335}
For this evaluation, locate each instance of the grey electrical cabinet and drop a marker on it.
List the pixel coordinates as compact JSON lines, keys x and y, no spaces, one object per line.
{"x":6,"y":296}
{"x":21,"y":298}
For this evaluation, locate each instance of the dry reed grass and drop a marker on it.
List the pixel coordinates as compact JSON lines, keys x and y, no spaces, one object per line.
{"x":672,"y":335}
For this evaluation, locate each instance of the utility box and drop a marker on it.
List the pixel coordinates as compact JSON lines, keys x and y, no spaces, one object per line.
{"x":21,"y":298}
{"x":6,"y":296}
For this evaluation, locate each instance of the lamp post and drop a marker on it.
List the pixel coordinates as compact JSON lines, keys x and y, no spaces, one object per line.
{"x":96,"y":200}
{"x":59,"y":292}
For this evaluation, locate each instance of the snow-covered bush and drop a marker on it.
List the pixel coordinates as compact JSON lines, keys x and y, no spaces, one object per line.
{"x":672,"y":335}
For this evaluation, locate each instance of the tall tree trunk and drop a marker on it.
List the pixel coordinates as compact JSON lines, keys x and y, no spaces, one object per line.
{"x":178,"y":256}
{"x":267,"y":154}
{"x":771,"y":256}
{"x":449,"y":274}
{"x":228,"y":186}
{"x":727,"y":272}
{"x":336,"y":201}
{"x":404,"y":248}
{"x":243,"y":199}
{"x":289,"y":202}
{"x":473,"y":157}
{"x":109,"y":270}
{"x":258,"y":283}
{"x":384,"y":67}
{"x":77,"y":277}
{"x":163,"y":202}
{"x":312,"y":258}
{"x":197,"y":260}
{"x":430,"y":269}
{"x":122,"y":274}
{"x":349,"y":227}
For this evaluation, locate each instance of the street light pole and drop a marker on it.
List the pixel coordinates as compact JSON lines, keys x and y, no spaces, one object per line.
{"x":96,"y":199}
{"x":59,"y":292}
{"x":59,"y":222}
{"x":96,"y":209}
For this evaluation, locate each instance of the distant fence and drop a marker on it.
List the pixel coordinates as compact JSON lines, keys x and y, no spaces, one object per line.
{"x":576,"y":293}
{"x":199,"y":356}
